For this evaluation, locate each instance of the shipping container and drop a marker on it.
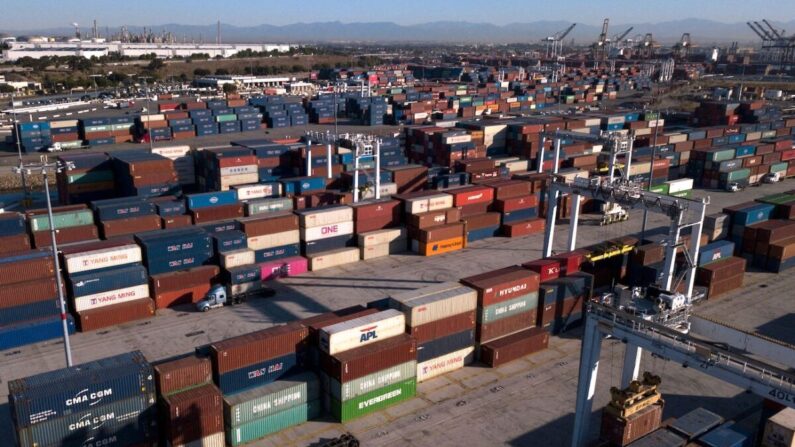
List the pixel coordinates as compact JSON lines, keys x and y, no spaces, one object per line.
{"x":373,"y":401}
{"x":244,"y":350}
{"x":434,"y":302}
{"x":500,"y":328}
{"x":270,"y":399}
{"x":332,"y":258}
{"x":259,"y":373}
{"x":505,"y":309}
{"x":191,"y":415}
{"x":178,"y":375}
{"x":93,"y":282}
{"x":503,"y":284}
{"x":355,"y":363}
{"x":325,"y":216}
{"x":361,"y":331}
{"x":621,"y":432}
{"x":445,"y":345}
{"x":109,"y":298}
{"x":363,"y":385}
{"x":259,"y":428}
{"x":91,"y":320}
{"x":512,"y":347}
{"x":445,"y":364}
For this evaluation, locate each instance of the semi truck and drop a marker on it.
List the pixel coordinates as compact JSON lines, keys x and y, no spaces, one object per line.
{"x":221,"y":295}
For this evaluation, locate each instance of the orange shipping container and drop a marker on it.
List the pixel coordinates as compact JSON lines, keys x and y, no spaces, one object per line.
{"x":444,"y":246}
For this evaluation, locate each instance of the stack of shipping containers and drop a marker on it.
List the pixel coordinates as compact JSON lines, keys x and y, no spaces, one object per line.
{"x":327,"y":237}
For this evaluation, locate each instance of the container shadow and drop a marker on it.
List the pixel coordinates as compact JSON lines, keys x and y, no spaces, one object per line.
{"x":6,"y":429}
{"x":780,"y":328}
{"x":743,"y":408}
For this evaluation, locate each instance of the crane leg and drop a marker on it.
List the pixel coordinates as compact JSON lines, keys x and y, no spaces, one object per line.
{"x":631,"y":370}
{"x":586,"y":384}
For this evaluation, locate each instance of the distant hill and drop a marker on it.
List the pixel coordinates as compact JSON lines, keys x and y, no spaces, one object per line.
{"x":703,"y":32}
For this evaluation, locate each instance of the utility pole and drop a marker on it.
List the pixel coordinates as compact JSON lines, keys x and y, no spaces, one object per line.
{"x":45,"y":167}
{"x":148,"y":113}
{"x":23,"y":180}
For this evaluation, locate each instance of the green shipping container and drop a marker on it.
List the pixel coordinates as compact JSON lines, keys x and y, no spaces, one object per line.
{"x":769,"y":134}
{"x":61,"y":220}
{"x":371,"y":382}
{"x":508,"y":308}
{"x":779,"y":167}
{"x":243,"y":434}
{"x":777,"y":199}
{"x":104,"y":128}
{"x":268,"y":206}
{"x":659,"y":189}
{"x":225,"y":118}
{"x":738,"y":174}
{"x":722,"y":155}
{"x":270,"y":399}
{"x":373,"y":401}
{"x":90,"y":177}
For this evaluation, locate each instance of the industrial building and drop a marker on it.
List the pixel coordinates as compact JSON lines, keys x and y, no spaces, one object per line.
{"x":88,"y":49}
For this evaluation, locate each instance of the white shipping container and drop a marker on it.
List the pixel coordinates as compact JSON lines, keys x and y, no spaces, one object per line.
{"x":63,"y":123}
{"x":679,"y":185}
{"x":172,"y":152}
{"x":239,"y":179}
{"x":616,"y":119}
{"x":387,"y":189}
{"x":753,"y":136}
{"x":657,"y":123}
{"x":333,"y":258}
{"x":216,"y":440}
{"x":316,"y":218}
{"x":104,"y":258}
{"x":592,"y":122}
{"x":238,"y":170}
{"x":362,"y":331}
{"x":147,"y":118}
{"x":435,"y":302}
{"x":326,"y":231}
{"x":237,"y":289}
{"x":274,"y":240}
{"x":379,"y":237}
{"x":112,"y":297}
{"x":429,"y":203}
{"x":236,"y":258}
{"x":676,"y":138}
{"x":444,"y":364}
{"x":643,"y":132}
{"x":455,"y":139}
{"x":247,"y":192}
{"x":518,"y":165}
{"x":780,"y":429}
{"x":382,"y":250}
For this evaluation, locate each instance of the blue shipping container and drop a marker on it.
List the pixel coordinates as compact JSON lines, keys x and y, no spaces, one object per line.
{"x":243,"y":274}
{"x":753,"y":214}
{"x":715,"y":251}
{"x":519,"y":215}
{"x":210,"y":199}
{"x":112,"y":209}
{"x":229,"y":240}
{"x":12,"y":223}
{"x":483,"y":233}
{"x":445,"y":345}
{"x":258,"y":374}
{"x":332,"y":243}
{"x":30,"y":311}
{"x":275,"y":253}
{"x":34,"y":331}
{"x":106,"y":280}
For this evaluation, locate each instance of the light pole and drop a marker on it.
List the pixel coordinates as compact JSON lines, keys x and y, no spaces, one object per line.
{"x":23,"y":180}
{"x":45,"y":167}
{"x":148,"y":113}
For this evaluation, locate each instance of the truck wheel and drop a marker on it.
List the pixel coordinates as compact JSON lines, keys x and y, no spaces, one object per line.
{"x":205,"y":309}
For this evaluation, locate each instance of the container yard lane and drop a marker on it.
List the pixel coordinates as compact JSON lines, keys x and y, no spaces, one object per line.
{"x":515,"y":404}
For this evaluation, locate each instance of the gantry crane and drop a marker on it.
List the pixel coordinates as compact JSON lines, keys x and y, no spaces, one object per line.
{"x":682,"y":48}
{"x":777,"y":47}
{"x":600,"y":46}
{"x":557,"y":43}
{"x":616,"y":43}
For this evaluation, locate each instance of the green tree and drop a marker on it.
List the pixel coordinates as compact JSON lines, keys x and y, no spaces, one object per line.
{"x":199,"y":72}
{"x":298,"y":68}
{"x":155,"y":64}
{"x":230,"y":88}
{"x":222,"y":72}
{"x":5,"y":88}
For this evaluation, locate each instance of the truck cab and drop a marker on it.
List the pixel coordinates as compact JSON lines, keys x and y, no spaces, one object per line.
{"x":218,"y":296}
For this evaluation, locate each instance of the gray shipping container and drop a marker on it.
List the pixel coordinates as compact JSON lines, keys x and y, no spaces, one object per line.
{"x":508,"y":308}
{"x":270,"y":399}
{"x":127,"y":416}
{"x":371,"y":382}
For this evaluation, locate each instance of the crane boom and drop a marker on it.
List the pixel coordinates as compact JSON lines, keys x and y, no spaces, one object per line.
{"x":756,"y":31}
{"x":764,"y":31}
{"x":567,"y":31}
{"x":621,"y":36}
{"x":772,"y":30}
{"x":603,"y":35}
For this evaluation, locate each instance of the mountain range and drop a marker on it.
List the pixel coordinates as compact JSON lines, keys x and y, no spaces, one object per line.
{"x":703,"y":32}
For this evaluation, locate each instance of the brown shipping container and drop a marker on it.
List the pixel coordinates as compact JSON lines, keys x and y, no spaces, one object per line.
{"x":131,"y":225}
{"x":721,"y":270}
{"x":81,"y":247}
{"x":378,"y":223}
{"x":503,"y":350}
{"x":621,"y":432}
{"x":269,"y":224}
{"x":12,"y":272}
{"x":717,"y":289}
{"x":523,"y":228}
{"x":434,"y":218}
{"x":509,"y":188}
{"x":181,"y":221}
{"x":187,"y":295}
{"x":239,"y":352}
{"x":484,"y":220}
{"x":14,"y":244}
{"x":65,"y":235}
{"x":782,"y":250}
{"x":214,"y":213}
{"x":439,"y":328}
{"x":474,"y":209}
{"x":33,"y":291}
{"x":181,"y":374}
{"x":355,"y":363}
{"x":376,"y":209}
{"x":192,"y":415}
{"x":441,"y":232}
{"x":648,"y":254}
{"x":156,"y":165}
{"x":409,"y":178}
{"x":505,"y":326}
{"x":169,"y":282}
{"x":503,"y":284}
{"x":91,"y":320}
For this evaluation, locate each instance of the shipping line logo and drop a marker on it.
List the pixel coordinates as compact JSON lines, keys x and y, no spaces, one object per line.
{"x":91,"y":442}
{"x":92,"y":398}
{"x":270,"y":369}
{"x":368,"y":334}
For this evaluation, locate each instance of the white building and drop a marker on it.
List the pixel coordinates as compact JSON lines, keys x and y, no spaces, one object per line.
{"x":245,"y":82}
{"x":88,"y":49}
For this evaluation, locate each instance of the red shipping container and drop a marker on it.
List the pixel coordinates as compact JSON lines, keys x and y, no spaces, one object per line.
{"x":181,"y":221}
{"x":505,"y":326}
{"x":503,"y":350}
{"x":471,"y":195}
{"x":546,"y":268}
{"x":359,"y":362}
{"x":245,"y":350}
{"x":516,"y":203}
{"x":229,"y":162}
{"x":569,"y":262}
{"x":211,"y":214}
{"x":788,"y":155}
{"x":177,"y":375}
{"x":187,"y":295}
{"x":191,"y":415}
{"x":130,"y":225}
{"x":445,"y":326}
{"x":269,"y":224}
{"x":17,"y":294}
{"x":523,"y":228}
{"x":14,"y":244}
{"x":174,"y":281}
{"x":94,"y":319}
{"x":502,"y":285}
{"x":621,"y":432}
{"x":65,"y":235}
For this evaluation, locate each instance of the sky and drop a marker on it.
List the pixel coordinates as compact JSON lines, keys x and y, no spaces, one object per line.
{"x":40,"y":14}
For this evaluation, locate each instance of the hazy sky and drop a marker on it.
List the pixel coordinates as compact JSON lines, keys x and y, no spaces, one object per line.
{"x":26,"y":14}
